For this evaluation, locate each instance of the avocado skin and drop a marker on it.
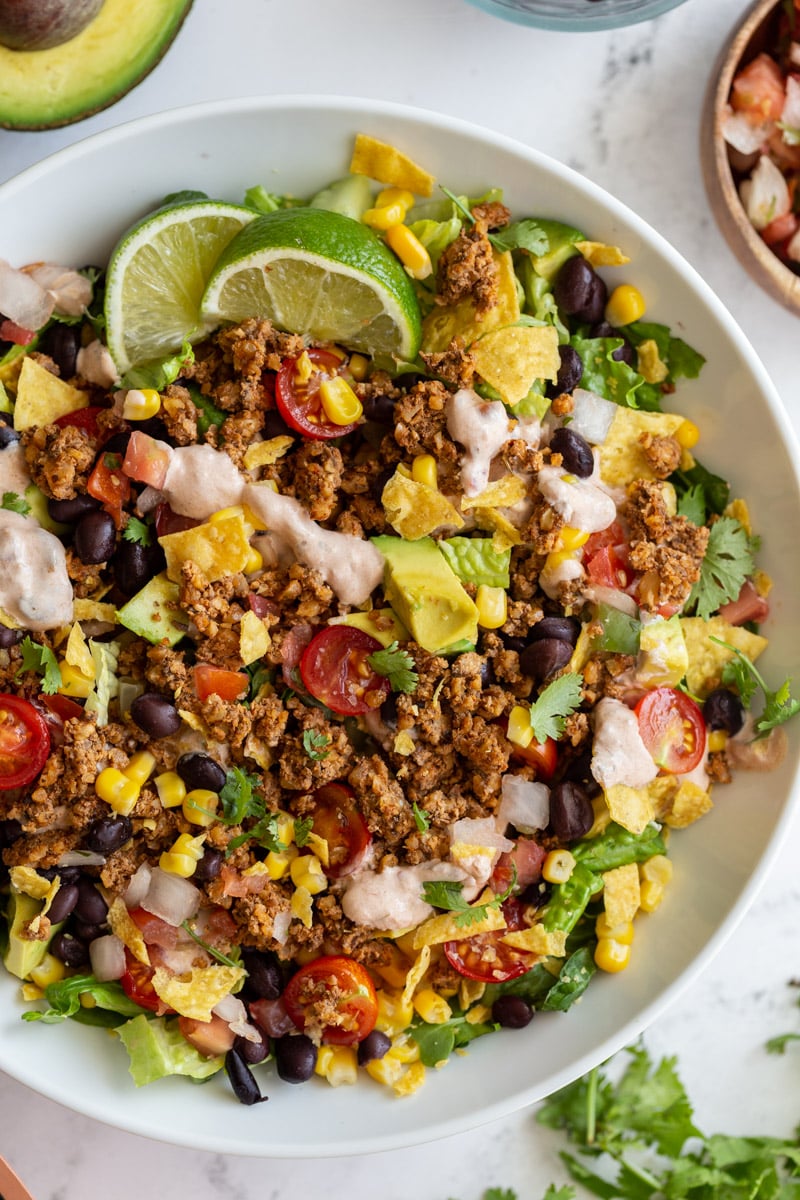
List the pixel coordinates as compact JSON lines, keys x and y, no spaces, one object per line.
{"x":46,"y":89}
{"x":426,"y":594}
{"x":23,"y":956}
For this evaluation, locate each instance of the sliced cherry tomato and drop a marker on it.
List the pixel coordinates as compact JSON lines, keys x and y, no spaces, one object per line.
{"x":215,"y":681}
{"x":299,"y":403}
{"x":672,"y":728}
{"x":24,"y":742}
{"x":137,"y":984}
{"x":748,"y":606}
{"x":292,"y":649}
{"x":337,"y":819}
{"x":82,"y":418}
{"x":62,"y":707}
{"x":542,"y":755}
{"x":10,"y":331}
{"x":342,"y":989}
{"x":110,"y":485}
{"x":146,"y":459}
{"x":166,"y":521}
{"x":335,"y":670}
{"x":523,"y":863}
{"x":486,"y":956}
{"x":154,"y":930}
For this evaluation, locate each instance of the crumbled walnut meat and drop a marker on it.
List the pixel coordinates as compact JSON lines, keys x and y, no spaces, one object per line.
{"x":385,"y":808}
{"x":668,"y":550}
{"x":317,"y":478}
{"x":59,"y":460}
{"x":718,"y":767}
{"x":454,"y":365}
{"x":562,"y":406}
{"x":87,"y":578}
{"x":494,"y":214}
{"x":256,"y":346}
{"x":467,"y":269}
{"x":179,"y":413}
{"x":663,"y":453}
{"x":421,"y":422}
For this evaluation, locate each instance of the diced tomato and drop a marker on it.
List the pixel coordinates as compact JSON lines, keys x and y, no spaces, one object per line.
{"x":486,"y":957}
{"x":262,"y":607}
{"x":215,"y":681}
{"x":82,"y":418}
{"x":24,"y":742}
{"x":110,"y":485}
{"x":525,"y":859}
{"x":208,"y":1037}
{"x":337,"y":818}
{"x":166,"y":521}
{"x":346,"y":990}
{"x":18,"y":334}
{"x":62,"y":707}
{"x":610,"y":568}
{"x":154,"y":930}
{"x":748,"y":606}
{"x":780,"y":229}
{"x":299,"y":403}
{"x":672,"y":728}
{"x":541,"y":755}
{"x":759,"y":90}
{"x":137,"y":984}
{"x":292,"y":648}
{"x":334,"y":669}
{"x":146,"y":459}
{"x":613,"y":535}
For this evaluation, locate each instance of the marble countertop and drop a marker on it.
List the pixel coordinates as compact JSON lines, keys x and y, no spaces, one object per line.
{"x":623,"y":108}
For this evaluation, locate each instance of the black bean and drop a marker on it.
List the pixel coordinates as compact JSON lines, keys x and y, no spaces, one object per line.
{"x":65,"y":874}
{"x":540,"y":659}
{"x":10,"y":830}
{"x":117,"y":444}
{"x":571,"y":812}
{"x":570,"y":372}
{"x":263,"y":974}
{"x":62,"y":343}
{"x":242,"y":1080}
{"x":723,"y":710}
{"x":379,"y":483}
{"x":295,"y":1057}
{"x":91,"y":906}
{"x":579,"y":290}
{"x":107,"y":834}
{"x":7,"y":436}
{"x":199,"y":770}
{"x":379,"y":409}
{"x":95,"y":537}
{"x":69,"y":950}
{"x":10,"y":637}
{"x":389,"y":711}
{"x":63,"y":903}
{"x":575,"y":451}
{"x":70,"y":511}
{"x":374,"y":1045}
{"x":487,"y":673}
{"x":252,"y":1052}
{"x":624,"y":353}
{"x":154,"y":427}
{"x":565,"y":628}
{"x":275,"y":426}
{"x":156,"y":715}
{"x":512,"y":1012}
{"x":134,"y":565}
{"x":514,"y":643}
{"x":84,"y":932}
{"x":209,"y":866}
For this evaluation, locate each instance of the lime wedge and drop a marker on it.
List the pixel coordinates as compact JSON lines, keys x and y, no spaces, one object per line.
{"x":157,"y":274}
{"x":318,"y":273}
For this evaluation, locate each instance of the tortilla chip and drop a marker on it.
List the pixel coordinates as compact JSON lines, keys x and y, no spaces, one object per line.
{"x":601,"y":255}
{"x":632,"y":808}
{"x":414,"y":510}
{"x":127,"y":931}
{"x":254,"y":639}
{"x":196,"y":996}
{"x":740,"y":512}
{"x":538,"y":940}
{"x":263,"y":454}
{"x":503,"y":493}
{"x":621,"y":455}
{"x":386,"y":164}
{"x":513,"y":358}
{"x":415,"y":975}
{"x":93,"y":610}
{"x":504,"y":534}
{"x":8,"y":621}
{"x":621,"y":894}
{"x":444,"y":323}
{"x":28,"y":881}
{"x":687,"y":804}
{"x":42,"y":397}
{"x":218,"y":548}
{"x":78,"y":654}
{"x":649,"y":364}
{"x":443,"y":928}
{"x":707,"y":658}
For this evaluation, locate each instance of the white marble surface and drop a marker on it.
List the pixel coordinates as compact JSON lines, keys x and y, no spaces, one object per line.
{"x":624,"y":109}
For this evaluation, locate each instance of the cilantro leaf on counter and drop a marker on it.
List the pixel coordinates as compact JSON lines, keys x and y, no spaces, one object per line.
{"x":448,"y":895}
{"x":779,"y":705}
{"x":558,"y":700}
{"x":727,"y":563}
{"x":12,"y":502}
{"x":237,"y":799}
{"x":138,"y":531}
{"x":314,"y":744}
{"x":41,"y":659}
{"x":397,"y":666}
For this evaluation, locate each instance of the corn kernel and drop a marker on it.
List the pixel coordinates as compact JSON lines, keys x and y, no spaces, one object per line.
{"x":140,"y":404}
{"x":432,"y":1007}
{"x":424,"y":470}
{"x":30,"y":993}
{"x":285,"y":828}
{"x":74,"y":682}
{"x":492,"y":606}
{"x":177,"y":864}
{"x":619,"y":933}
{"x":301,"y":906}
{"x":306,"y":872}
{"x":558,"y":866}
{"x":657,"y":868}
{"x":478,"y":1014}
{"x":410,"y":250}
{"x":193,"y":847}
{"x":254,"y":563}
{"x":556,"y":559}
{"x":225,"y":514}
{"x":303,"y":368}
{"x":651,"y":895}
{"x":49,"y":970}
{"x":385,"y":1070}
{"x":572,"y":539}
{"x":337,"y":1064}
{"x":117,"y":790}
{"x":358,"y":365}
{"x":717,"y":740}
{"x":520,"y":731}
{"x":140,"y":768}
{"x":87,"y":1000}
{"x":171,"y":789}
{"x":395,"y":971}
{"x":342,"y":406}
{"x":200,"y":806}
{"x":612,"y":956}
{"x":278,"y":861}
{"x":687,"y":435}
{"x":404,"y":1049}
{"x":625,"y":305}
{"x":411,"y":1080}
{"x":384,"y":216}
{"x":393,"y":1015}
{"x":395,"y":195}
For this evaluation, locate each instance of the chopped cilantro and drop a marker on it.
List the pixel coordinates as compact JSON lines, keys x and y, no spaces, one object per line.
{"x":558,"y":700}
{"x":728,"y":562}
{"x":112,"y":462}
{"x":779,"y":705}
{"x":421,"y":818}
{"x":397,"y":666}
{"x":522,"y":235}
{"x":314,"y":744}
{"x":259,"y":676}
{"x":138,"y":531}
{"x":238,"y":801}
{"x":302,"y":828}
{"x":41,"y":659}
{"x":217,"y":955}
{"x":264,"y":832}
{"x":449,"y":895}
{"x":12,"y":502}
{"x":458,"y":204}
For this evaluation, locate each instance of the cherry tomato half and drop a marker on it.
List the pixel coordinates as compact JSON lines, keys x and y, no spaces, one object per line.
{"x":337,"y":819}
{"x":82,"y":418}
{"x":486,"y":957}
{"x":299,"y":403}
{"x":523,"y":865}
{"x":341,"y":988}
{"x":542,"y":755}
{"x":335,"y":670}
{"x":216,"y":681}
{"x":24,"y":742}
{"x":672,"y":728}
{"x":137,"y":984}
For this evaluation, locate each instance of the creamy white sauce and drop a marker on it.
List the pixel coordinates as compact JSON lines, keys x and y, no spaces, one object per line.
{"x":96,"y":364}
{"x":482,"y":427}
{"x":551,"y":578}
{"x":475,"y":846}
{"x":618,"y":753}
{"x":581,"y":503}
{"x":34,"y":585}
{"x":392,"y":898}
{"x":14,"y":474}
{"x":201,"y":480}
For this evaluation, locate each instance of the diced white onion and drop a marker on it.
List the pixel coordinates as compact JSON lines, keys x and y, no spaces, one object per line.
{"x":129,"y":689}
{"x":613,"y":597}
{"x":479,"y":831}
{"x":591,"y":415}
{"x":231,"y":1010}
{"x":765,"y":195}
{"x":794,"y":53}
{"x":742,"y":135}
{"x":171,"y":897}
{"x":149,"y":499}
{"x":280,"y":925}
{"x":791,"y":106}
{"x":107,"y":956}
{"x":80,"y":858}
{"x":71,"y":291}
{"x":524,"y":804}
{"x":137,"y":886}
{"x":22,"y":299}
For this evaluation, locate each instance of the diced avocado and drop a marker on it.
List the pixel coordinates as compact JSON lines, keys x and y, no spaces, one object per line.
{"x":562,"y":240}
{"x":41,"y":89}
{"x":38,"y":502}
{"x":23,"y":955}
{"x":426,"y":594}
{"x":153,"y":612}
{"x":382,"y":624}
{"x":351,"y":197}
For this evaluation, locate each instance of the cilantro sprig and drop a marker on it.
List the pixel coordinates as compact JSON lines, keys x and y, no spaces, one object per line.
{"x":138,"y":531}
{"x":224,"y":959}
{"x":12,"y":502}
{"x":237,"y":797}
{"x":422,"y":818}
{"x":779,"y":705}
{"x":727,"y":563}
{"x":40,"y":659}
{"x":557,"y":702}
{"x":449,"y":895}
{"x":397,"y":666}
{"x":315,"y":743}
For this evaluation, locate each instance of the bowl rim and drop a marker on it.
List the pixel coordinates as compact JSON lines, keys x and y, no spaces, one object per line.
{"x":354,"y":108}
{"x":594,"y":21}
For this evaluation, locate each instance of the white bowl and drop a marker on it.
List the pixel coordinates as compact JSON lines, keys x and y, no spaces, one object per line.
{"x":70,"y":208}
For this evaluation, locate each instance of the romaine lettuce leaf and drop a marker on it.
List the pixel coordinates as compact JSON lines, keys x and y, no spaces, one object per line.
{"x":474,"y":560}
{"x":157,"y":1048}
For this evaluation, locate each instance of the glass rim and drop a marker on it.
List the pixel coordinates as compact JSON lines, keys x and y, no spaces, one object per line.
{"x":594,"y":18}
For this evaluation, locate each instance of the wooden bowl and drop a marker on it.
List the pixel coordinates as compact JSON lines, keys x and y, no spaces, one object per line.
{"x":756,"y":33}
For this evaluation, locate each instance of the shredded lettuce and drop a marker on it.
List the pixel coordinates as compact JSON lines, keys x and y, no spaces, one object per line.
{"x":157,"y":1048}
{"x":106,"y":685}
{"x":160,"y":372}
{"x":474,"y":560}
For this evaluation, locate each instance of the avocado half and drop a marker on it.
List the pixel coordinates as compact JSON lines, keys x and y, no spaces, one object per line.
{"x":42,"y":89}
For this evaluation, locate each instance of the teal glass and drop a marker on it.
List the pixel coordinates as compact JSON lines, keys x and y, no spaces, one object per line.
{"x":576,"y":16}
